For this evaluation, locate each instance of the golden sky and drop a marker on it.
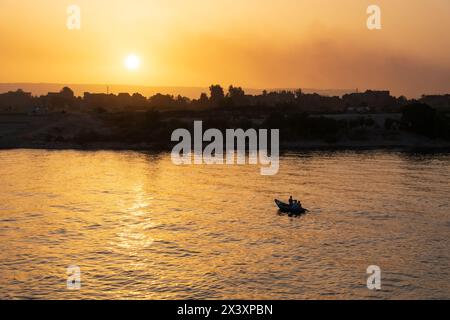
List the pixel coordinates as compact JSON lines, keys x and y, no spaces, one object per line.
{"x":319,"y":44}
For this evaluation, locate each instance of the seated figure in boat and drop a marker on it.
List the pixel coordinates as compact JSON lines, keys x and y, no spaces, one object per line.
{"x":295,"y":204}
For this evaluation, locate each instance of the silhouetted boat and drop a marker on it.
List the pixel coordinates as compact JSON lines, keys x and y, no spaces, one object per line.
{"x":286,"y":208}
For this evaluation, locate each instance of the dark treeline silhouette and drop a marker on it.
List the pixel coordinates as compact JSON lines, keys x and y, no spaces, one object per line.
{"x":300,"y":117}
{"x":364,"y":102}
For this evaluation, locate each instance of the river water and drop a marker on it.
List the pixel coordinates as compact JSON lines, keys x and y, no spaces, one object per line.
{"x":139,"y":227}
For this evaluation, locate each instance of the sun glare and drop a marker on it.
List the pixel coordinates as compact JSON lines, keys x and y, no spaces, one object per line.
{"x":132,"y":62}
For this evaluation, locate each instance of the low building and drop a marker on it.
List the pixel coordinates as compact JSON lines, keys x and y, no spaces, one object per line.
{"x":439,"y":102}
{"x":16,"y":101}
{"x":371,"y":100}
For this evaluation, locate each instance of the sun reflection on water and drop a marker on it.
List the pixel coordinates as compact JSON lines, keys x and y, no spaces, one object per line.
{"x":140,"y":227}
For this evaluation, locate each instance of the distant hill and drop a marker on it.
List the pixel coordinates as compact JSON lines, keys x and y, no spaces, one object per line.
{"x":38,"y":89}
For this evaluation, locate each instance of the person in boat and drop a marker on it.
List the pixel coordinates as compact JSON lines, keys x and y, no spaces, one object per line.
{"x":295,"y":203}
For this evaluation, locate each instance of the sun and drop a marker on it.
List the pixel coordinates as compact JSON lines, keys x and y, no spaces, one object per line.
{"x":132,"y":62}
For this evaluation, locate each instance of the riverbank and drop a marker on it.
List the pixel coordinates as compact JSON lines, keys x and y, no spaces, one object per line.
{"x":83,"y":131}
{"x":284,"y":147}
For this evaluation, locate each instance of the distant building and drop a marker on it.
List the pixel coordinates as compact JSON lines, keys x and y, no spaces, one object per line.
{"x":317,"y":104}
{"x":114,"y":102}
{"x":437,"y":101}
{"x":63,"y":100}
{"x":16,"y":101}
{"x":370,"y":101}
{"x":98,"y":100}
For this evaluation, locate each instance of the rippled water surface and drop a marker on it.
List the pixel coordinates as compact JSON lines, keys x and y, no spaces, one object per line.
{"x":141,"y":228}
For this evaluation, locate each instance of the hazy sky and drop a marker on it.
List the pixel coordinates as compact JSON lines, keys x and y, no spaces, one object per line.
{"x":252,"y":43}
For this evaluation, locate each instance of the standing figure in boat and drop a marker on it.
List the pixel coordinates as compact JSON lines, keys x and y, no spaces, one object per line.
{"x":293,"y":206}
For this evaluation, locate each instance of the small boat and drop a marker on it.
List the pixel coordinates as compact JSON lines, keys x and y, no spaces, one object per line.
{"x":286,"y":208}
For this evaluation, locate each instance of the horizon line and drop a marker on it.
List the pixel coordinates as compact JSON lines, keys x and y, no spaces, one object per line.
{"x":311,"y":90}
